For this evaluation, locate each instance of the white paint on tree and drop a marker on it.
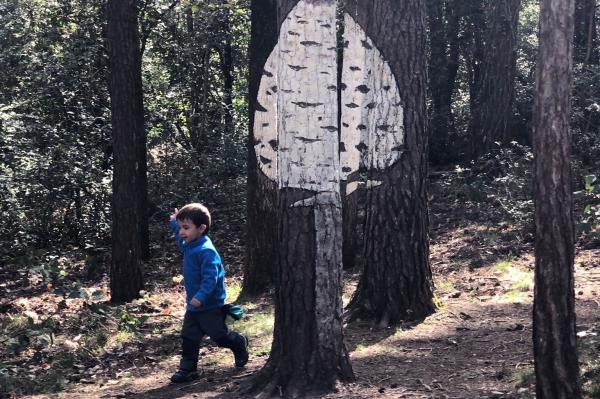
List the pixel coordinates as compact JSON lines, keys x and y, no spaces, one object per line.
{"x":372,"y":131}
{"x":295,"y":125}
{"x":296,"y":120}
{"x":373,"y":183}
{"x":323,"y":198}
{"x":297,"y":144}
{"x":351,"y":186}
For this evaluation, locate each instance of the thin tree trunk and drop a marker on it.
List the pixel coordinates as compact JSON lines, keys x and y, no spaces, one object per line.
{"x":586,"y":33}
{"x":225,"y":53}
{"x":554,"y":337}
{"x":396,"y":283}
{"x":129,"y":228}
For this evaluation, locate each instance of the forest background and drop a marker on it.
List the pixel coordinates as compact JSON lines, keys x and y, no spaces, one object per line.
{"x":56,"y":158}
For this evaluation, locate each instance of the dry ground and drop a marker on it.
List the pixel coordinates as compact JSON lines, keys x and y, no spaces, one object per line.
{"x":476,"y":345}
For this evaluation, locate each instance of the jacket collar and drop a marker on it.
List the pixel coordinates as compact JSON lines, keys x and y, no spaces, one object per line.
{"x":198,"y":243}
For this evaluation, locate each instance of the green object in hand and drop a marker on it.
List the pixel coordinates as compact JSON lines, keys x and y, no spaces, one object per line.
{"x":236,"y":312}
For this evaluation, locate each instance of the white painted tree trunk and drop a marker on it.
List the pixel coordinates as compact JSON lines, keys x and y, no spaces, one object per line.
{"x":301,"y":148}
{"x":296,"y":124}
{"x":297,"y":146}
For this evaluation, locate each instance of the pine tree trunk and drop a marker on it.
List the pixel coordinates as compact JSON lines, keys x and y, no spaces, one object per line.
{"x":396,"y":283}
{"x":475,"y":21}
{"x":492,"y":113}
{"x":586,"y":33}
{"x":350,"y":240}
{"x":554,"y":337}
{"x":129,"y":230}
{"x":297,"y":146}
{"x":444,"y":23}
{"x":262,"y":199}
{"x":225,"y":54}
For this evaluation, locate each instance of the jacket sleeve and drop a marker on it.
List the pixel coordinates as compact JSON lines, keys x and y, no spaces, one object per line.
{"x":175,"y":229}
{"x":210,"y":275}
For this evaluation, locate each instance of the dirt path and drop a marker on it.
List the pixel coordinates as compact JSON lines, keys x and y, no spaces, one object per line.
{"x":477,"y":345}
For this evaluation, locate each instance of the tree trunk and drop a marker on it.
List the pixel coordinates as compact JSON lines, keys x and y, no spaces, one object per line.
{"x":474,"y":12}
{"x":586,"y":34}
{"x":261,"y":232}
{"x":444,"y":23}
{"x":350,"y":241}
{"x":129,"y":229}
{"x":396,"y":283}
{"x":554,"y":336}
{"x":492,"y":113}
{"x":225,"y":53}
{"x":297,"y":145}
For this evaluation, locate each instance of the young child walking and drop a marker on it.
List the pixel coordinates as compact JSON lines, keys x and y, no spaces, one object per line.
{"x":204,"y":281}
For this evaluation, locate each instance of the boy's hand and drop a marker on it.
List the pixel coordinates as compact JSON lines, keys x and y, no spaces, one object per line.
{"x":195,"y":303}
{"x":174,"y":215}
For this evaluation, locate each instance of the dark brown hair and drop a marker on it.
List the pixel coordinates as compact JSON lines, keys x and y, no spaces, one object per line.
{"x":197,"y":213}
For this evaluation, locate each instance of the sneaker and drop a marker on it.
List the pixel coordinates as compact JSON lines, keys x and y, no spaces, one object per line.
{"x":184,"y":376}
{"x":241,"y":356}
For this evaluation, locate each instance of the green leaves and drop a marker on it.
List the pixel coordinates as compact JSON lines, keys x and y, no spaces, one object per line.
{"x":590,"y":217}
{"x":590,"y":181}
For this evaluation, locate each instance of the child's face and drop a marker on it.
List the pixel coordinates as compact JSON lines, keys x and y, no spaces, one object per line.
{"x":188,"y":231}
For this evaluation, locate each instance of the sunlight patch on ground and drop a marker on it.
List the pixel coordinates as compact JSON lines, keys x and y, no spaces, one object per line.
{"x":385,"y":348}
{"x":516,"y":281}
{"x":258,"y":327}
{"x":234,"y":288}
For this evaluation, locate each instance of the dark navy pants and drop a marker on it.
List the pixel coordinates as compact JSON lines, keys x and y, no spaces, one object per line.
{"x":198,"y":324}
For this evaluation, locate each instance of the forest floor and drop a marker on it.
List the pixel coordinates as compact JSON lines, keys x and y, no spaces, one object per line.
{"x":478,"y":344}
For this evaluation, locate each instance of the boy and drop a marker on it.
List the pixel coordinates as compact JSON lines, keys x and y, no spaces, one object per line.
{"x":203,"y":276}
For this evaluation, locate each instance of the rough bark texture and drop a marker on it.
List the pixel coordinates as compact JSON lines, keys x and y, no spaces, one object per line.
{"x":296,"y":145}
{"x":444,"y":23}
{"x":262,"y":205}
{"x":554,"y":334}
{"x":492,"y":113}
{"x":474,"y":12}
{"x":586,"y":34}
{"x":350,"y":241}
{"x":396,"y":283}
{"x":130,"y":229}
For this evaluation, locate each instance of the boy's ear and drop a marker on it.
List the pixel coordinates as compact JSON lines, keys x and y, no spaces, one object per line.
{"x":202,"y":228}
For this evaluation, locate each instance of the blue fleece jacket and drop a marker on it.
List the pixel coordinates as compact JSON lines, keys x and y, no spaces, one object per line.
{"x":203,"y":272}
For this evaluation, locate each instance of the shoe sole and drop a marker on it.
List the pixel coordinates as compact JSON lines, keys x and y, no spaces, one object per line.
{"x":189,"y":378}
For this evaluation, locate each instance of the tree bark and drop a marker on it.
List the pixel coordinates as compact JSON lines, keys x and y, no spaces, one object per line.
{"x":444,"y":23}
{"x":297,"y":146}
{"x":130,"y":228}
{"x":261,"y":232}
{"x":586,"y":33}
{"x":554,"y":334}
{"x":492,"y":113}
{"x":226,"y":56}
{"x":396,"y":283}
{"x":475,"y":20}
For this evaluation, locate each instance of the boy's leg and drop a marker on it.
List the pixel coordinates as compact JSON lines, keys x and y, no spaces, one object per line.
{"x":213,"y":324}
{"x":191,"y":336}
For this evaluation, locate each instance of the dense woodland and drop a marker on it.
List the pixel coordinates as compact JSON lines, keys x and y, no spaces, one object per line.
{"x":115,"y":112}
